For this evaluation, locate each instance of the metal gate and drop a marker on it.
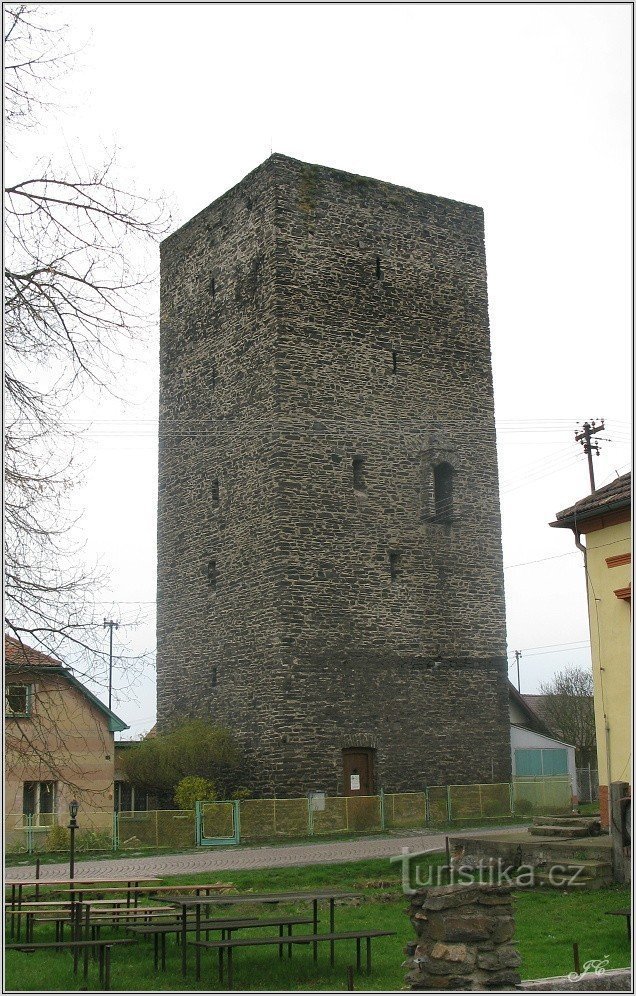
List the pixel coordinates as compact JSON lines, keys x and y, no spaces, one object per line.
{"x":217,"y":823}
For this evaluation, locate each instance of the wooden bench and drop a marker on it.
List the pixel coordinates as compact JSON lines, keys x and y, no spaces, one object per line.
{"x":118,"y":917}
{"x":226,"y":926}
{"x":104,"y":949}
{"x":229,"y":944}
{"x":627,"y":913}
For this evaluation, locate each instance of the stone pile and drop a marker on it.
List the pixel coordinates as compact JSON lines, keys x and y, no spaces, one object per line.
{"x":464,"y":939}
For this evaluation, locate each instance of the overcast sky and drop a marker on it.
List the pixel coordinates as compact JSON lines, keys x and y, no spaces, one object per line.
{"x":522,"y":109}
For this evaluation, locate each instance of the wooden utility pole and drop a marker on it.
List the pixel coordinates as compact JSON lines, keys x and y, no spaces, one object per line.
{"x":585,"y":437}
{"x":109,"y":624}
{"x":518,"y":656}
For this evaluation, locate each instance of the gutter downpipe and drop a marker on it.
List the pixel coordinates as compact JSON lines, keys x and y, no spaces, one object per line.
{"x":583,"y":549}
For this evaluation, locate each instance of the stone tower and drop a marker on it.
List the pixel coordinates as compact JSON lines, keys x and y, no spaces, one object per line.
{"x":330,"y":580}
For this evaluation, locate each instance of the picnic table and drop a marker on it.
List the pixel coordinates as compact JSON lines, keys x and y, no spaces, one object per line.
{"x":627,"y":913}
{"x":104,"y":948}
{"x":133,"y":892}
{"x":187,"y":903}
{"x":17,"y":886}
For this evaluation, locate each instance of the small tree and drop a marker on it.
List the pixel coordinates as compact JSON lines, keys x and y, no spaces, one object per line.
{"x":193,"y":789}
{"x":568,"y":708}
{"x":194,"y":749}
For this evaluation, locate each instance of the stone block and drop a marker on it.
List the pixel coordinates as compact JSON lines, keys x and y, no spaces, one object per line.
{"x":504,"y":956}
{"x":444,"y":897}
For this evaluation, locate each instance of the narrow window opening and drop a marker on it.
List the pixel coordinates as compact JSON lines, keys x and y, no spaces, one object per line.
{"x":358,"y":474}
{"x":214,"y":493}
{"x":394,"y":564}
{"x":213,"y":574}
{"x":378,"y":268}
{"x":394,"y":359}
{"x":214,"y":676}
{"x":443,"y":486}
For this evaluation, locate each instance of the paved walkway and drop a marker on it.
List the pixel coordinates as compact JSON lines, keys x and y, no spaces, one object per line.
{"x":244,"y":858}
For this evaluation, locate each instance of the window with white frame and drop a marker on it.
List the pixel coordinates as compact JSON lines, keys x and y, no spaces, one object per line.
{"x":39,"y":798}
{"x":18,"y":699}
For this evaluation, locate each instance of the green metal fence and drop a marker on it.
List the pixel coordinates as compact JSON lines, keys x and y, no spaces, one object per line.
{"x":262,"y":819}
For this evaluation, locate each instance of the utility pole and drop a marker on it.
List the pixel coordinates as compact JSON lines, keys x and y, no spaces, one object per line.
{"x":585,"y":437}
{"x":108,"y":623}
{"x":518,"y":656}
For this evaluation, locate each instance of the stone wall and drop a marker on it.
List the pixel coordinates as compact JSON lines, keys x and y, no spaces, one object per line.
{"x":310,"y":318}
{"x":464,"y":939}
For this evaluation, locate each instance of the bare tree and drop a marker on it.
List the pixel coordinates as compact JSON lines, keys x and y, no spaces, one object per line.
{"x":568,"y":708}
{"x":79,"y":253}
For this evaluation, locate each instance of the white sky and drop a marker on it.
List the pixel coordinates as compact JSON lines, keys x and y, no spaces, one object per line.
{"x":522,"y":109}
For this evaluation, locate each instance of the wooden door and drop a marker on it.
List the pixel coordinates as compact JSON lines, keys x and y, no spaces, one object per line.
{"x":359,"y":771}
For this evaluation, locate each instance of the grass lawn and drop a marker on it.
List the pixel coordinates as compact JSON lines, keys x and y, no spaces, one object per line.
{"x":547,"y":924}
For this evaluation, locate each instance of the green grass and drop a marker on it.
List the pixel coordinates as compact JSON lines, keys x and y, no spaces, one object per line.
{"x":547,"y":924}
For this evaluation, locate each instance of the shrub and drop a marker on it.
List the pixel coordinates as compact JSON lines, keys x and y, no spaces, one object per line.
{"x":193,"y":789}
{"x":523,"y":806}
{"x":195,"y":748}
{"x":94,"y":840}
{"x":58,"y":839}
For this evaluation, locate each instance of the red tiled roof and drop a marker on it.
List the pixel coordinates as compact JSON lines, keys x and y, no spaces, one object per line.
{"x":22,"y":654}
{"x":617,"y":494}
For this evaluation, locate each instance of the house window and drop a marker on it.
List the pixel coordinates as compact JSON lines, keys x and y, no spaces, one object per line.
{"x":541,"y":761}
{"x":129,"y":799}
{"x":18,"y":699}
{"x":443,"y":489}
{"x":39,"y":798}
{"x":214,"y":492}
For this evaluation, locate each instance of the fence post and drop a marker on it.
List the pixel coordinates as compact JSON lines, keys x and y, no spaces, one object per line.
{"x":481,"y":806}
{"x":115,"y":830}
{"x":197,"y":823}
{"x":29,"y":833}
{"x":382,"y":813}
{"x":156,"y":827}
{"x":427,"y":807}
{"x":448,"y":802}
{"x":237,"y":820}
{"x":511,"y":792}
{"x":346,"y":802}
{"x":310,"y":816}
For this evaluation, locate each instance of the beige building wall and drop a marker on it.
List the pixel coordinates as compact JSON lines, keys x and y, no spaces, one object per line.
{"x":66,"y":740}
{"x":609,"y":599}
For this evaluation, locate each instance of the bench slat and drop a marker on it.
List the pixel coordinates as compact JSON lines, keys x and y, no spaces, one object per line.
{"x":241,"y":942}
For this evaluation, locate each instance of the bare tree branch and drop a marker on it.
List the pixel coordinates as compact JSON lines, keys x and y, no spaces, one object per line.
{"x":80,"y":251}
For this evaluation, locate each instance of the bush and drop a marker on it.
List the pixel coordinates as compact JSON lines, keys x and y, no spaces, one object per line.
{"x":94,"y":840}
{"x":523,"y":806}
{"x":58,"y":839}
{"x":193,"y":789}
{"x":195,"y":748}
{"x":241,"y":793}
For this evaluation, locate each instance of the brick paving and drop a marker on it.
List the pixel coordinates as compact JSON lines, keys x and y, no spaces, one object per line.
{"x":243,"y":858}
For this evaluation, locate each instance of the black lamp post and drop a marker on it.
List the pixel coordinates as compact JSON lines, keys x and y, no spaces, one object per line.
{"x":73,"y":807}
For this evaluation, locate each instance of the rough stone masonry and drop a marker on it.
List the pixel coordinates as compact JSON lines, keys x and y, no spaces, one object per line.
{"x":464,"y":939}
{"x":329,"y":542}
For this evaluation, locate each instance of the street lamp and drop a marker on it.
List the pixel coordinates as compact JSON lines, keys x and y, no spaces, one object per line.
{"x":72,"y":810}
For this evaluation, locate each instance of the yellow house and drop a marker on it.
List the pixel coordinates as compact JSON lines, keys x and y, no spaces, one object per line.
{"x":59,"y":741}
{"x":604,"y":519}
